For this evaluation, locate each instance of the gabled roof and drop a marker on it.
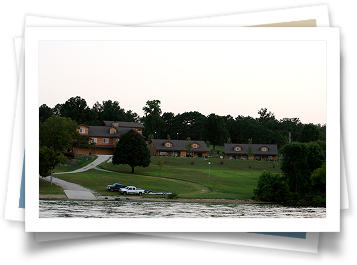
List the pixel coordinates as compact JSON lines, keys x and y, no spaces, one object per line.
{"x":103,"y":131}
{"x":272,"y":149}
{"x":179,"y":145}
{"x":123,"y":124}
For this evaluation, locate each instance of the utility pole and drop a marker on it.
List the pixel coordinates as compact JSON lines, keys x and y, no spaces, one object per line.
{"x":289,"y":137}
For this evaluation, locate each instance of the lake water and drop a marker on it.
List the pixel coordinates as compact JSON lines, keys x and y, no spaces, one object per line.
{"x":140,"y":209}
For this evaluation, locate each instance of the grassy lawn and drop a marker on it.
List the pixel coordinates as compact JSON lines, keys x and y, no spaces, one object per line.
{"x":190,"y":177}
{"x":79,"y":164}
{"x":98,"y":180}
{"x":187,"y":177}
{"x":46,"y":188}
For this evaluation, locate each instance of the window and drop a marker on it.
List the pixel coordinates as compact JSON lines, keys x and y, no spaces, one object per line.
{"x":113,"y":131}
{"x":194,"y":145}
{"x":237,"y":149}
{"x":106,"y":141}
{"x":94,"y":140}
{"x":264,"y":149}
{"x":82,"y":130}
{"x":168,"y":145}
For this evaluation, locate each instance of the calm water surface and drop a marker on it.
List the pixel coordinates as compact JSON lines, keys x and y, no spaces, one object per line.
{"x":135,"y":209}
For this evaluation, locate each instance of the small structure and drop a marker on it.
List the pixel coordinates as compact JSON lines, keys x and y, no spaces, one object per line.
{"x":177,"y":148}
{"x":261,"y":152}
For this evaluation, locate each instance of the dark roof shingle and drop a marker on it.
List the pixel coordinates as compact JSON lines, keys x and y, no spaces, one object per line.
{"x":179,"y":145}
{"x":272,"y":149}
{"x":104,"y":131}
{"x":125,"y":124}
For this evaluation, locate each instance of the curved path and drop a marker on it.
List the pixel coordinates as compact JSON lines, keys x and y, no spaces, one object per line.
{"x":99,"y":160}
{"x":75,"y":191}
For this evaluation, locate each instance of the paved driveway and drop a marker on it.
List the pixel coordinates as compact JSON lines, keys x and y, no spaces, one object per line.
{"x":75,"y":191}
{"x":100,"y":159}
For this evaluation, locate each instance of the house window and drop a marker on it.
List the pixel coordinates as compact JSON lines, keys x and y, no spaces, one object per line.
{"x":106,"y":141}
{"x":94,"y":140}
{"x":194,"y":145}
{"x":237,"y":149}
{"x":168,"y":145}
{"x":113,"y":131}
{"x":264,"y":149}
{"x":114,"y":141}
{"x":82,"y":130}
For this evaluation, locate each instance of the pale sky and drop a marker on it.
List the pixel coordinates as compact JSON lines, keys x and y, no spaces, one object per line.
{"x":223,"y":77}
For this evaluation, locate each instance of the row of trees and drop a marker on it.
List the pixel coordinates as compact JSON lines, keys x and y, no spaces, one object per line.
{"x":302,"y":177}
{"x":213,"y":128}
{"x":77,"y":109}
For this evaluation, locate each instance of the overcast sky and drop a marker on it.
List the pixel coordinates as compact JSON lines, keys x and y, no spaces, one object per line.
{"x":223,"y":77}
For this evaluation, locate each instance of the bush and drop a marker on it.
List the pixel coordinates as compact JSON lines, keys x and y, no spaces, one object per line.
{"x":271,"y":187}
{"x":293,"y":197}
{"x":318,"y":179}
{"x":172,"y":196}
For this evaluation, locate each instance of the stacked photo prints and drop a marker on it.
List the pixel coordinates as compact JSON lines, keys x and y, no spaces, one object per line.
{"x":211,"y":129}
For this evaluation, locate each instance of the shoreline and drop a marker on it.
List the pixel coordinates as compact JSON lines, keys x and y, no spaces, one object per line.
{"x":137,"y":198}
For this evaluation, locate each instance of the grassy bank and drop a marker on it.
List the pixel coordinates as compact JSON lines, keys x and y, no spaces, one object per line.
{"x":187,"y":177}
{"x":80,"y":162}
{"x":46,"y":188}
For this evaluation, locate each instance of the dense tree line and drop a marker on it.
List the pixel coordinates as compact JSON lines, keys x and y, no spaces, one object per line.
{"x":77,"y":109}
{"x":213,"y":128}
{"x":302,"y":178}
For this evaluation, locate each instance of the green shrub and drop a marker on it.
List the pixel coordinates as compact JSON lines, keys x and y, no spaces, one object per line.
{"x":318,"y":179}
{"x":172,"y":196}
{"x":271,"y":187}
{"x":293,"y":197}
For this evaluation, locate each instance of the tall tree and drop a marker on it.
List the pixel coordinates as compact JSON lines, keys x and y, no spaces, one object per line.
{"x":168,"y":118}
{"x":111,"y":111}
{"x":152,"y":107}
{"x":57,"y":133}
{"x":56,"y":136}
{"x":190,"y":124}
{"x":265,"y":116}
{"x":295,"y":167}
{"x":309,"y":133}
{"x":44,"y":112}
{"x":76,"y":108}
{"x":48,"y":159}
{"x":153,"y":122}
{"x":300,"y":160}
{"x":292,"y":126}
{"x":132,"y":150}
{"x":215,"y":130}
